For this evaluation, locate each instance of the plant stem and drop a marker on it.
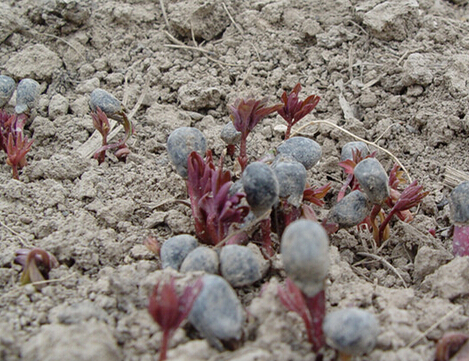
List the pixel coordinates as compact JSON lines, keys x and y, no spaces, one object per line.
{"x":383,"y":225}
{"x":164,"y":345}
{"x":265,"y":226}
{"x":317,"y":309}
{"x":242,"y":158}
{"x":374,"y":213}
{"x":14,"y":168}
{"x":287,"y":132}
{"x":102,"y":154}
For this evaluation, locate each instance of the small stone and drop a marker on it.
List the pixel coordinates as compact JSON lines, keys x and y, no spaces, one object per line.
{"x":183,"y":141}
{"x":303,"y":150}
{"x":7,"y":87}
{"x":239,"y":266}
{"x":88,"y":86}
{"x":27,"y":95}
{"x":417,"y":71}
{"x":351,"y":331}
{"x":175,"y":249}
{"x":196,"y":95}
{"x":217,"y":312}
{"x":392,"y":20}
{"x":36,"y":61}
{"x":201,"y":259}
{"x":58,"y":106}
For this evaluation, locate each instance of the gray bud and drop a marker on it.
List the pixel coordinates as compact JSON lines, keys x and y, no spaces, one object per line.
{"x":27,"y":95}
{"x":7,"y":87}
{"x":352,"y":331}
{"x":459,"y":204}
{"x":182,"y":142}
{"x":261,"y":187}
{"x":175,"y":249}
{"x":351,"y":210}
{"x":229,"y":134}
{"x":239,"y":265}
{"x":305,"y":255}
{"x":217,"y":312}
{"x":349,"y":147}
{"x":291,"y":177}
{"x":201,"y":259}
{"x":373,"y":180}
{"x":303,"y":150}
{"x":107,"y":102}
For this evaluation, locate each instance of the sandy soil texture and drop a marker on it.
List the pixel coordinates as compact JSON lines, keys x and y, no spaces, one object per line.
{"x":392,"y":72}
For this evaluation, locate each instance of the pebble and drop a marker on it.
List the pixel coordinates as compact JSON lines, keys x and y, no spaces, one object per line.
{"x":239,"y":266}
{"x":305,"y":255}
{"x":291,"y":177}
{"x":27,"y":95}
{"x":183,"y":141}
{"x":201,"y":259}
{"x":373,"y":180}
{"x":217,"y":312}
{"x":351,"y":210}
{"x":175,"y":250}
{"x":352,"y":331}
{"x":303,"y":150}
{"x":261,"y":187}
{"x":7,"y":87}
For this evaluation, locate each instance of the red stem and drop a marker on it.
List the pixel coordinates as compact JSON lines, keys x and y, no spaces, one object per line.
{"x":265,"y":225}
{"x":383,"y":225}
{"x":14,"y":168}
{"x":287,"y":132}
{"x":317,"y":309}
{"x":164,"y":345}
{"x":243,"y":159}
{"x":102,"y":154}
{"x":343,"y":189}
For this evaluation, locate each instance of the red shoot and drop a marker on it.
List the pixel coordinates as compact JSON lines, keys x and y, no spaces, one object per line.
{"x":17,"y":147}
{"x":36,"y":264}
{"x":294,"y":110}
{"x":396,"y":177}
{"x":101,"y":123}
{"x":311,"y":309}
{"x":213,"y":208}
{"x":168,"y":309}
{"x":349,"y":165}
{"x":410,"y":197}
{"x":450,"y":344}
{"x":246,"y":114}
{"x":316,"y":194}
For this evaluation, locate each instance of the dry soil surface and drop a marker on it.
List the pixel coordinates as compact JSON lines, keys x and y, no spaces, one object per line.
{"x":395,"y":72}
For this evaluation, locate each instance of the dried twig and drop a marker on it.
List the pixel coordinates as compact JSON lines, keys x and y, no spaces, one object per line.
{"x":385,"y":263}
{"x":236,"y":25}
{"x":23,"y":242}
{"x":432,"y":327}
{"x":453,"y":177}
{"x":163,"y":10}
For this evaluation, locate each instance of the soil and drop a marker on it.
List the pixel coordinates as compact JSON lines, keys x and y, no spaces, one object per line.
{"x":394,"y":72}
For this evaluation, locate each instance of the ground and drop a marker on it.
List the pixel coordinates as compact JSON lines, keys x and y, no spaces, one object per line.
{"x":394,"y":72}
